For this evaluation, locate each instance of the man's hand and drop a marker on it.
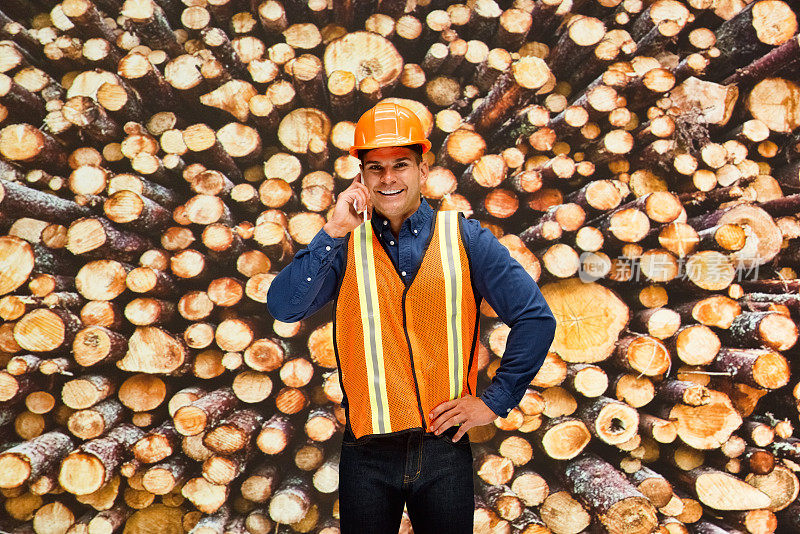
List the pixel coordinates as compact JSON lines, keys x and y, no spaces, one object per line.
{"x":347,"y":213}
{"x":469,"y":411}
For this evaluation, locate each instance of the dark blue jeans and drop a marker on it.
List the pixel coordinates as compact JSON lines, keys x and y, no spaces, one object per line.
{"x":430,"y":474}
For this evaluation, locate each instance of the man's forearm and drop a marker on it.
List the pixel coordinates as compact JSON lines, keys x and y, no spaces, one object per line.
{"x":526,"y":348}
{"x":309,"y":281}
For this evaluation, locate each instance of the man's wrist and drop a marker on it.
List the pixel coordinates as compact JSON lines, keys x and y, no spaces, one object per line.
{"x":497,"y":401}
{"x":333,"y":230}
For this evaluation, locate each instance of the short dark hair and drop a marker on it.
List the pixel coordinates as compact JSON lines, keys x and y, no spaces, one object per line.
{"x":417,"y":149}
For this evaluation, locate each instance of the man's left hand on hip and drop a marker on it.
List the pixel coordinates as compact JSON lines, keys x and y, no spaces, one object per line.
{"x":467,"y":411}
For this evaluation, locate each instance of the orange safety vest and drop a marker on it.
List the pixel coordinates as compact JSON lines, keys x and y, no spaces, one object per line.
{"x":404,"y":348}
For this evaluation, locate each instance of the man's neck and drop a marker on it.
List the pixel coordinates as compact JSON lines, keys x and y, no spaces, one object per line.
{"x":396,"y":223}
{"x":395,"y":226}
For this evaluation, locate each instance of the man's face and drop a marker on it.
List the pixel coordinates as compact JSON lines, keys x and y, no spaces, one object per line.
{"x":393,"y":178}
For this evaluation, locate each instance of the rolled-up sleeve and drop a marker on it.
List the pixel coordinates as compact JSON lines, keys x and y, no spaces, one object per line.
{"x":515,"y":296}
{"x":309,"y":281}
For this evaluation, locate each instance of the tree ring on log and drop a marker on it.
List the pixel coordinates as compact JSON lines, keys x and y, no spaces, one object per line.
{"x":16,"y":470}
{"x":364,"y":54}
{"x":101,"y":280}
{"x":617,"y":423}
{"x":709,"y":426}
{"x":566,"y":440}
{"x":40,"y":331}
{"x":16,"y":262}
{"x":152,"y":350}
{"x":770,"y":22}
{"x":81,"y":473}
{"x":300,"y":126}
{"x":765,"y":239}
{"x":589,"y":318}
{"x":767,"y":102}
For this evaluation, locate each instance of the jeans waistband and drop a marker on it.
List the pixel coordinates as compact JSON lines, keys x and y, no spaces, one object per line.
{"x":400,"y":436}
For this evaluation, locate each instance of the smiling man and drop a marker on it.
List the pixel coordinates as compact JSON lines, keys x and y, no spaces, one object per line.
{"x":407,"y":286}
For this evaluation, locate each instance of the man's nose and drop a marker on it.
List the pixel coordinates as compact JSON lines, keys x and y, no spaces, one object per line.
{"x":387,"y":176}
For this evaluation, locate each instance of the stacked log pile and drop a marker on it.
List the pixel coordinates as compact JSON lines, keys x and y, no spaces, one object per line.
{"x":161,"y":160}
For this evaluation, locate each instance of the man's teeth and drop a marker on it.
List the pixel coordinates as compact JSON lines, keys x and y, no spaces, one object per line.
{"x":390,"y":192}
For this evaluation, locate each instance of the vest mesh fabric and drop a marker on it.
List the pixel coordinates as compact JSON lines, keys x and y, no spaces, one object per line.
{"x":391,"y":405}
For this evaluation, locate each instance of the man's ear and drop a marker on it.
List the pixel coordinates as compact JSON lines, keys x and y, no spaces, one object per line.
{"x":423,"y":172}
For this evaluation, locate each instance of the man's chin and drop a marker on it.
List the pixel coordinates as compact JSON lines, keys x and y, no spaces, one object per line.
{"x":388,"y":206}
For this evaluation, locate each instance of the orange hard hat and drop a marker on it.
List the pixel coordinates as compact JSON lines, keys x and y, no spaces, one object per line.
{"x":388,"y":124}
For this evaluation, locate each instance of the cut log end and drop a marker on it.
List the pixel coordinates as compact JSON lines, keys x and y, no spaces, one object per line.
{"x":587,"y":315}
{"x":190,"y":420}
{"x":15,"y":470}
{"x":81,"y":474}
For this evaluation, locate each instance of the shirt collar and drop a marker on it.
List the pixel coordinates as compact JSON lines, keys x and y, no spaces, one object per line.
{"x":416,"y":221}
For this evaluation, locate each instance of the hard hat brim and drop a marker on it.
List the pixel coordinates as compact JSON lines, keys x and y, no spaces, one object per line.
{"x":426,"y":146}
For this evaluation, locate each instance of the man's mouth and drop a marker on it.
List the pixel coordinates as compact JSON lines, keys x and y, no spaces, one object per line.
{"x":390,"y":192}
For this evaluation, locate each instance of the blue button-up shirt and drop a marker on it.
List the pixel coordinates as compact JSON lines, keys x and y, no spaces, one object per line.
{"x":311,"y":279}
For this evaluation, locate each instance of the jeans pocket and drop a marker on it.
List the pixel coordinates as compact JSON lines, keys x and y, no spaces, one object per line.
{"x":350,"y":440}
{"x":451,"y":432}
{"x":358,"y":442}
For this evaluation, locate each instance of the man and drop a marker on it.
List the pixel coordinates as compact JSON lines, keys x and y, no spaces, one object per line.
{"x":407,"y":286}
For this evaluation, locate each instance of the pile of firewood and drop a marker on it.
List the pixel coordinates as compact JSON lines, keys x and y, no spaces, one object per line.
{"x":161,"y":160}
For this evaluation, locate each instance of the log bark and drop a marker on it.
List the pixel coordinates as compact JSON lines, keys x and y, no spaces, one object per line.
{"x":194,"y":418}
{"x":527,"y":76}
{"x":31,"y":459}
{"x":90,"y":466}
{"x":620,"y":507}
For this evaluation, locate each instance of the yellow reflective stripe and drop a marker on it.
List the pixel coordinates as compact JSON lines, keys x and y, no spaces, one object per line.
{"x":380,"y":375}
{"x":371,"y":324}
{"x":451,"y":267}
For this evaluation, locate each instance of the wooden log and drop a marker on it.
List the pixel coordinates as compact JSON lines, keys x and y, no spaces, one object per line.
{"x":31,"y":459}
{"x":157,"y":445}
{"x":721,"y":491}
{"x":752,"y":40}
{"x":202,"y":141}
{"x":20,"y":101}
{"x":563,"y":438}
{"x":609,"y":420}
{"x":96,"y":344}
{"x":750,"y":329}
{"x":153,"y":350}
{"x":45,"y":330}
{"x":620,"y":507}
{"x":527,"y":76}
{"x":92,"y":464}
{"x":711,"y":435}
{"x":194,"y":418}
{"x":136,"y":212}
{"x":235,"y":433}
{"x":30,"y":146}
{"x":96,"y":236}
{"x":140,"y":72}
{"x":291,"y":501}
{"x":758,"y":368}
{"x":561,"y":512}
{"x":150,"y":23}
{"x":586,"y":379}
